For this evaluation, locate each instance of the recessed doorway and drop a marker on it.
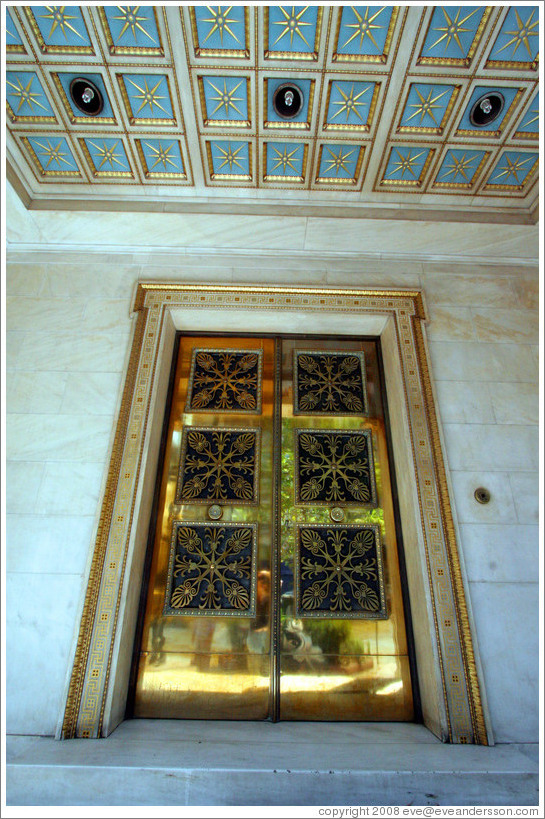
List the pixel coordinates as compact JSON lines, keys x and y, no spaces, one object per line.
{"x":274,"y":581}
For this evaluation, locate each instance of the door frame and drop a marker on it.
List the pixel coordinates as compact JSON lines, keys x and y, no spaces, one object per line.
{"x":452,"y":695}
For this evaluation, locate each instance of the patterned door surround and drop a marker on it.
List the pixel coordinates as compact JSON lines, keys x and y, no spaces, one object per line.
{"x":88,"y":712}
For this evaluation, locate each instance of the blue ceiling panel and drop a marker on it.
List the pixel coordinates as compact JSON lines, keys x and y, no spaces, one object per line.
{"x":518,"y":40}
{"x":460,"y":166}
{"x":512,"y":168}
{"x":132,"y":26}
{"x":350,"y":103}
{"x":61,"y":25}
{"x":162,"y":156}
{"x":53,"y":154}
{"x":149,"y":96}
{"x":426,"y":105}
{"x":406,"y":163}
{"x":12,"y":35}
{"x":530,"y":122}
{"x":292,"y":29}
{"x":452,"y":31}
{"x":25,"y":95}
{"x":226,"y":98}
{"x":221,"y":27}
{"x":108,"y":155}
{"x":230,"y":158}
{"x":285,"y":159}
{"x":339,"y":161}
{"x":364,"y":29}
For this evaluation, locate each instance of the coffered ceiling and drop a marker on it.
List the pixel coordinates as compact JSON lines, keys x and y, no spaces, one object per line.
{"x":188,"y":115}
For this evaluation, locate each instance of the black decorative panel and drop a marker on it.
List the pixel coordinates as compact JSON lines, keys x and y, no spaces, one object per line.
{"x":212,"y":569}
{"x":334,"y":466}
{"x":225,"y":381}
{"x":339,"y":572}
{"x":330,"y":383}
{"x":219,"y":465}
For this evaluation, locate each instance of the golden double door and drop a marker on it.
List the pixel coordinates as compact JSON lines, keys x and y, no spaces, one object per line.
{"x":273,"y":586}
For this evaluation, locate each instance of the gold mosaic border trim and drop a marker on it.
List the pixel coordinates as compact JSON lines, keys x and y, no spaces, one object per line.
{"x":90,"y":604}
{"x":91,"y":672}
{"x":464,"y":634}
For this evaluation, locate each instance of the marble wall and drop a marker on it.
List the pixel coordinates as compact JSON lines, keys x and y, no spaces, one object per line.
{"x":68,"y":333}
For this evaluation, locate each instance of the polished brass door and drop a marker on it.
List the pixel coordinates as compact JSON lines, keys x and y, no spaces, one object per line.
{"x":274,"y":589}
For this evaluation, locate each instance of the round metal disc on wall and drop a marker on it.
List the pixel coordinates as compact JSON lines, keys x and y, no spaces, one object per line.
{"x":288,"y":100}
{"x":481,"y":495}
{"x":86,"y":96}
{"x":486,"y":109}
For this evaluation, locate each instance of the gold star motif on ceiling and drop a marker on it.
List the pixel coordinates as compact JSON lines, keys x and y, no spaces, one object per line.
{"x":25,"y":95}
{"x":220,"y":21}
{"x":129,"y":16}
{"x":10,"y":33}
{"x":337,"y":161}
{"x":229,"y":157}
{"x":148,"y":96}
{"x":522,"y":33}
{"x":226,"y":98}
{"x":161,"y":154}
{"x":425,"y":106}
{"x":107,"y":154}
{"x":292,"y":23}
{"x":511,"y":169}
{"x":459,"y":166}
{"x":364,"y":27}
{"x":53,"y":154}
{"x":284,"y":159}
{"x":534,"y":119}
{"x":453,"y":29}
{"x":349,"y":103}
{"x":405,"y":163}
{"x":60,"y":18}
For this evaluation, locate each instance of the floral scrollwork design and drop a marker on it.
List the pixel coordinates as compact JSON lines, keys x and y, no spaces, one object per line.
{"x":334,"y":466}
{"x":212,"y":569}
{"x":340,"y":572}
{"x":327,"y":384}
{"x":225,"y":381}
{"x":218,"y":465}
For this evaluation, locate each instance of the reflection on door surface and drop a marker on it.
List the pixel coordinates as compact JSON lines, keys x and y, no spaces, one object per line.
{"x":274,"y":587}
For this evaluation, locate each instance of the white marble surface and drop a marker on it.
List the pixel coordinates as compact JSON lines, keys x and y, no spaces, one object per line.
{"x":40,"y":621}
{"x":480,"y":362}
{"x":509,"y":647}
{"x":185,"y":763}
{"x":501,"y":552}
{"x":492,"y":446}
{"x":123,"y":230}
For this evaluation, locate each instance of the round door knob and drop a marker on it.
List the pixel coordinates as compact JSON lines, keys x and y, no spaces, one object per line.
{"x":336,"y":514}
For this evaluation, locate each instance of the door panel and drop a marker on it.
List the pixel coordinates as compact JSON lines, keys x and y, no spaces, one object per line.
{"x":344,"y":647}
{"x":205,"y":648}
{"x":249,"y":617}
